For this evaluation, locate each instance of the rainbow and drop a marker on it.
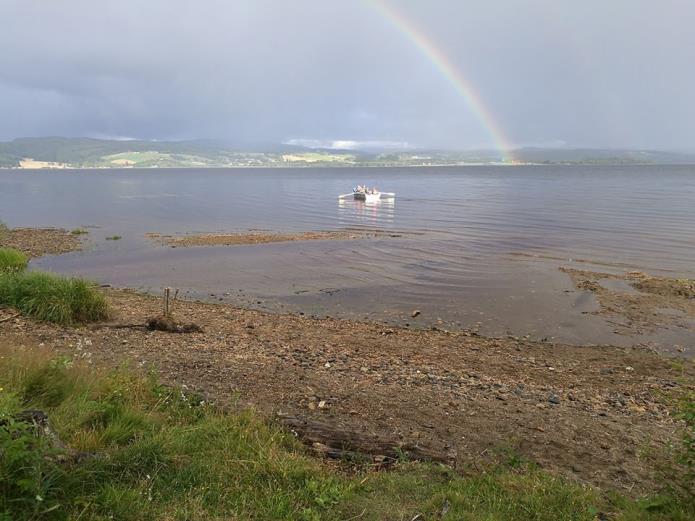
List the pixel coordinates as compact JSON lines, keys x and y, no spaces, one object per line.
{"x":437,"y":57}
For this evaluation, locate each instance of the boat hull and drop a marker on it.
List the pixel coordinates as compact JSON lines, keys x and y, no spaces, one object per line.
{"x":369,"y":198}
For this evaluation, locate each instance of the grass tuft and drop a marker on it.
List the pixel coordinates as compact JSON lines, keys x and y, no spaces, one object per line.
{"x":79,"y":231}
{"x":52,"y":298}
{"x":114,"y":238}
{"x":12,"y":260}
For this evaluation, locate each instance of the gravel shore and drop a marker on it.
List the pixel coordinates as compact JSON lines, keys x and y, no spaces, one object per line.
{"x":600,"y":415}
{"x":36,"y":242}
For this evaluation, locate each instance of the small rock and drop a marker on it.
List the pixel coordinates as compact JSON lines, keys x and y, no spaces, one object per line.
{"x":415,"y":313}
{"x":554,"y":398}
{"x":445,"y":508}
{"x":327,"y":365}
{"x":322,"y":404}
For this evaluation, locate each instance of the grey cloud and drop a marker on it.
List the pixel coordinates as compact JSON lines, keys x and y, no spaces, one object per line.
{"x":593,"y":73}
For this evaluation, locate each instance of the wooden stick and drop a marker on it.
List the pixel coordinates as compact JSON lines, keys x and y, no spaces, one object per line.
{"x":117,"y":326}
{"x":166,"y":301}
{"x":10,"y":317}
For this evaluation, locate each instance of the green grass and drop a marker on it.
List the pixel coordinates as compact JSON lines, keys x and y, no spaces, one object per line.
{"x":686,"y":455}
{"x":153,"y":158}
{"x":320,"y":157}
{"x":137,"y":157}
{"x":114,"y":238}
{"x":12,"y":260}
{"x":161,"y":454}
{"x":79,"y":231}
{"x":52,"y":298}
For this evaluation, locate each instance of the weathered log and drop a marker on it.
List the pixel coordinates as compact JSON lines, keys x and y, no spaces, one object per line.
{"x":158,"y":323}
{"x":338,"y":443}
{"x":117,"y":326}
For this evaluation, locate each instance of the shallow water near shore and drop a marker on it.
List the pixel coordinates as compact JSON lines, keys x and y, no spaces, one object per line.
{"x":476,"y":247}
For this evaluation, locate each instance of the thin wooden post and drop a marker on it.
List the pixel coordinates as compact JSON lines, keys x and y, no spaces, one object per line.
{"x":166,"y":301}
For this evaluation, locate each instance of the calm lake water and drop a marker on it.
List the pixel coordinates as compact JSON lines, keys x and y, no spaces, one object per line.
{"x":479,"y":246}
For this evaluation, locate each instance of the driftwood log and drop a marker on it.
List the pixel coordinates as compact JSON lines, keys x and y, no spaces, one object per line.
{"x":327,"y":440}
{"x":158,"y":323}
{"x":337,"y":443}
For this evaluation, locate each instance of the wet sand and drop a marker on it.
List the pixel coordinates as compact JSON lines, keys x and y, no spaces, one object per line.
{"x":264,"y":237}
{"x":636,"y":303}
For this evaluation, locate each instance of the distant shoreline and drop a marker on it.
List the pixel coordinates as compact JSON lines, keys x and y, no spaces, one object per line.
{"x":331,"y":166}
{"x":81,"y":153}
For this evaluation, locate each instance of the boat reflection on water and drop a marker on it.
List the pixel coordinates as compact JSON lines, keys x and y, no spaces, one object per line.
{"x":374,"y":213}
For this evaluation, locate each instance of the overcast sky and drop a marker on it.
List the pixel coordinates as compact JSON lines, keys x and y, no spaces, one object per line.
{"x":601,"y":73}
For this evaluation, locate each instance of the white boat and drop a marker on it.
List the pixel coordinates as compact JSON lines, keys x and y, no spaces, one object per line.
{"x":369,"y":197}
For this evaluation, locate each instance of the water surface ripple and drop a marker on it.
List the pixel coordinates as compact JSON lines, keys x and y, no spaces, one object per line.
{"x":461,"y":232}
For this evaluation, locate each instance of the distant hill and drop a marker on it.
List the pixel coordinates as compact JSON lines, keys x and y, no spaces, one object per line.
{"x":60,"y":152}
{"x":601,"y":156}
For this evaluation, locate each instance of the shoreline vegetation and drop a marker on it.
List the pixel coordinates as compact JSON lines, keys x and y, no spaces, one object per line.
{"x":528,"y":430}
{"x":78,"y":153}
{"x":44,"y":296}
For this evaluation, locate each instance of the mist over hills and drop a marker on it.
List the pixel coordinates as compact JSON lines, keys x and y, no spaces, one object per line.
{"x":62,"y":152}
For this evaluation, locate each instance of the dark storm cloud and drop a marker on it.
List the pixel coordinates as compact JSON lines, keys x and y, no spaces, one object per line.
{"x":590,"y":73}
